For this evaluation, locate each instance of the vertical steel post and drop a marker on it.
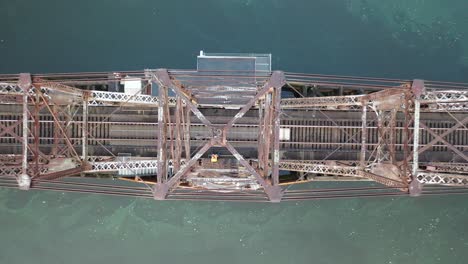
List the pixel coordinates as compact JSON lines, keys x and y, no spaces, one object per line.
{"x":381,"y":135}
{"x":418,"y":88}
{"x":169,"y":132}
{"x":417,"y":106}
{"x":178,"y":135}
{"x":260,"y":138}
{"x":56,"y":131}
{"x":187,"y":133}
{"x":364,"y":135}
{"x":36,"y":142}
{"x":267,"y":132}
{"x":25,"y":131}
{"x":162,"y":135}
{"x":276,"y":133}
{"x":405,"y":134}
{"x":84,"y":128}
{"x":24,"y":180}
{"x":392,"y":138}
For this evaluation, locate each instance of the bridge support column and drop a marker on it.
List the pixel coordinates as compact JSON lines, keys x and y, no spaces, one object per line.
{"x":162,"y":136}
{"x":362,"y":162}
{"x":84,"y":129}
{"x":276,"y":133}
{"x":24,"y":180}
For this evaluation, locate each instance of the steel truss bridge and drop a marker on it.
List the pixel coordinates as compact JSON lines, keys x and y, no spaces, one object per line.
{"x":60,"y":131}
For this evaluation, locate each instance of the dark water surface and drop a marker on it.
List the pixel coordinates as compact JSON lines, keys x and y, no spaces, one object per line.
{"x":406,"y":39}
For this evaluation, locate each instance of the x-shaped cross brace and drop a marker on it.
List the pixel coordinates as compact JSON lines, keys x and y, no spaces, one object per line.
{"x":218,"y":134}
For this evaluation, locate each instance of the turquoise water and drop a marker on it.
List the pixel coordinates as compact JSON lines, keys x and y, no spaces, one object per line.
{"x":407,"y":39}
{"x":68,"y":228}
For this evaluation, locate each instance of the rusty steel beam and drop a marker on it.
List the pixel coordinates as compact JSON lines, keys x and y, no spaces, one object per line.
{"x":57,"y":86}
{"x":178,"y":134}
{"x":382,"y":95}
{"x":57,"y":122}
{"x":319,"y":167}
{"x":322,"y":101}
{"x":418,"y":89}
{"x":276,"y":80}
{"x":261,"y":131}
{"x":273,"y":191}
{"x":406,"y":135}
{"x":161,"y":190}
{"x":170,"y":131}
{"x":161,"y":76}
{"x":59,"y":174}
{"x":162,"y":135}
{"x":364,"y":135}
{"x":186,"y":126}
{"x":383,"y":180}
{"x":35,"y":131}
{"x":392,"y":137}
{"x":276,"y":134}
{"x":264,"y":142}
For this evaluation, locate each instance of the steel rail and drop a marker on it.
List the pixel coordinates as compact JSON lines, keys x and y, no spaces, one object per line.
{"x":175,"y":72}
{"x":345,"y":77}
{"x":40,"y":181}
{"x":340,"y":84}
{"x":218,"y":197}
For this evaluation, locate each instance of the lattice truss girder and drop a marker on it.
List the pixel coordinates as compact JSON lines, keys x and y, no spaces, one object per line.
{"x":319,"y":167}
{"x":442,"y":178}
{"x":322,"y":101}
{"x":110,"y":166}
{"x":95,"y":98}
{"x":442,"y":101}
{"x":448,"y":96}
{"x":101,"y":98}
{"x":451,"y":100}
{"x":449,"y":167}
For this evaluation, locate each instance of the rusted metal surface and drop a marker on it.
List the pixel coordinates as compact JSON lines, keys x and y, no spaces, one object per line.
{"x":363,"y":135}
{"x":25,"y":84}
{"x":405,"y":135}
{"x":162,"y":135}
{"x":276,"y":133}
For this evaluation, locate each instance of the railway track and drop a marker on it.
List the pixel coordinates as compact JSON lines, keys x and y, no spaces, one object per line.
{"x":307,"y":132}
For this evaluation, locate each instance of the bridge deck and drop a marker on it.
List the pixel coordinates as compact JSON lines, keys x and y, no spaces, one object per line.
{"x":401,"y":134}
